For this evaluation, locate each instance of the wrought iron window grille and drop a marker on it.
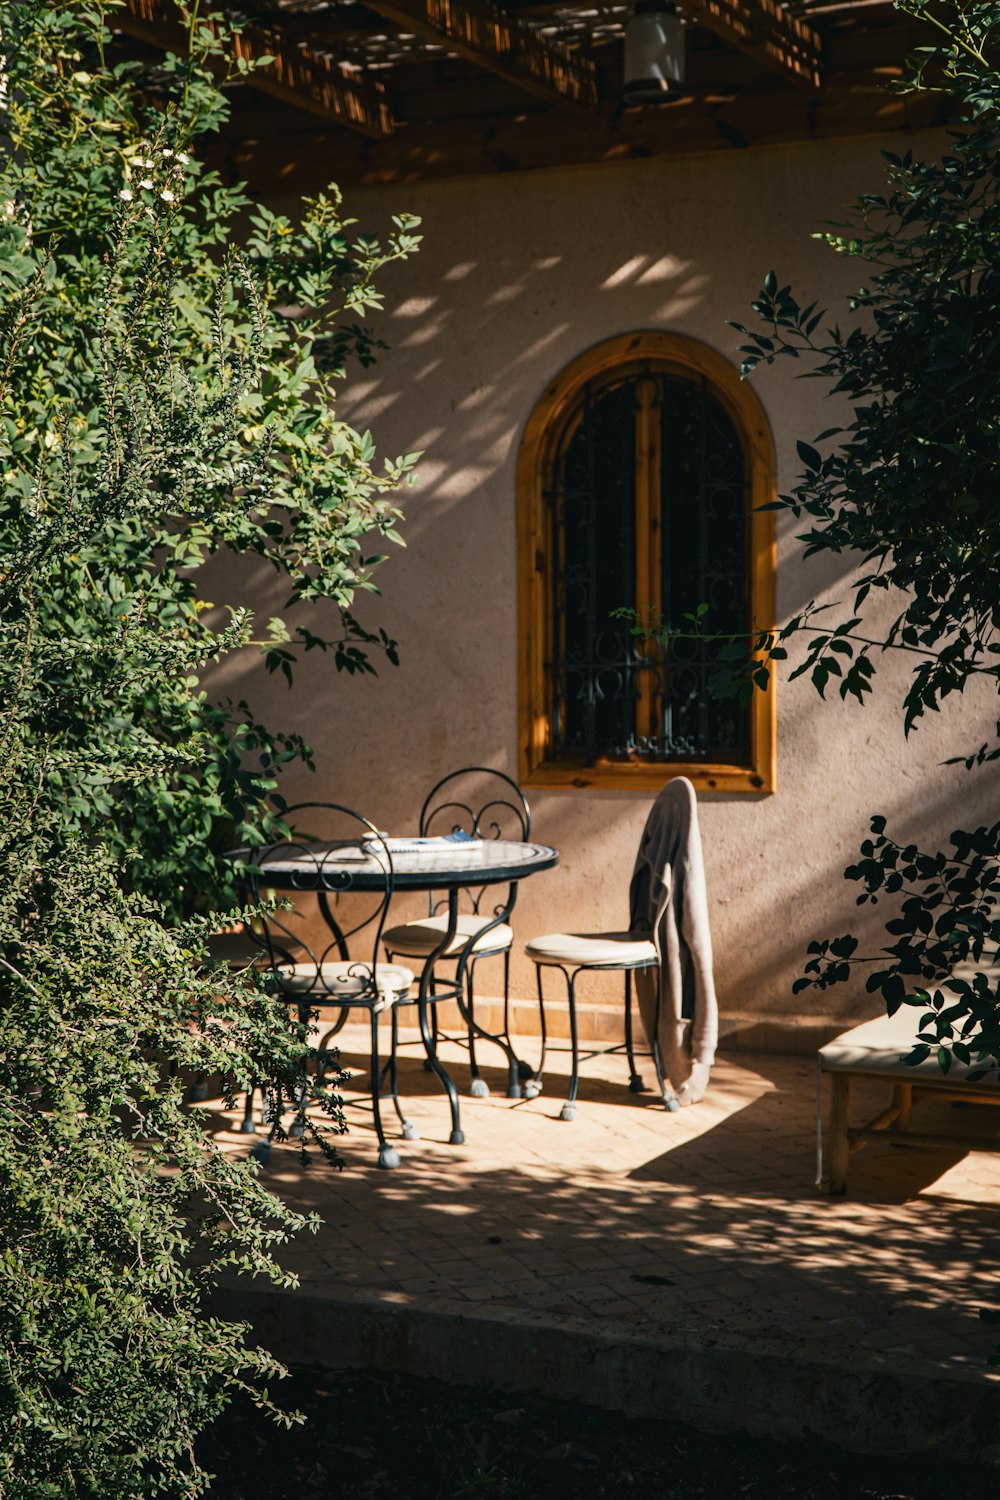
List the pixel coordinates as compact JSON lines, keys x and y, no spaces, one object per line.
{"x":646,"y":507}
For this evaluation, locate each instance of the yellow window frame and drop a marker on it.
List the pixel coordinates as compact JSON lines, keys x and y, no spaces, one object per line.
{"x":672,"y":354}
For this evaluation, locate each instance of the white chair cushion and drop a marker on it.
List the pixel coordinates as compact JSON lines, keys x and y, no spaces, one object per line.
{"x":879,"y":1046}
{"x":597,"y":950}
{"x":417,"y":939}
{"x":344,"y":981}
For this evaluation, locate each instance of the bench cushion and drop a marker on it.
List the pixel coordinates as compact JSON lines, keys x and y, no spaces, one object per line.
{"x":879,"y":1046}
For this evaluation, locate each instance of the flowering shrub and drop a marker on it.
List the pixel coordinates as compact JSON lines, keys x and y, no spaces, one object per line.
{"x":86,"y":142}
{"x":154,"y":406}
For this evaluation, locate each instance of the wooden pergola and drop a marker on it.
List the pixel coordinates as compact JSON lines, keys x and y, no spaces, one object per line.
{"x":379,"y":91}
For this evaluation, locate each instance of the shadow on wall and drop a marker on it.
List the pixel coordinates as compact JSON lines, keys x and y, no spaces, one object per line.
{"x":511,"y":286}
{"x":480,"y":321}
{"x":775,"y":874}
{"x":826,"y":903}
{"x":510,"y":319}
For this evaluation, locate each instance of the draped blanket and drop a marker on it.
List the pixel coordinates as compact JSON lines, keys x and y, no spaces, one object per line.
{"x":669,"y":900}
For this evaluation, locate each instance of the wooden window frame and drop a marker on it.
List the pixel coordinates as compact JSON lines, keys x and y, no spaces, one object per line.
{"x":680,"y":355}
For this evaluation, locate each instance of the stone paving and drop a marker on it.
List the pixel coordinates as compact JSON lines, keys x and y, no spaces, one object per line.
{"x":702,"y":1228}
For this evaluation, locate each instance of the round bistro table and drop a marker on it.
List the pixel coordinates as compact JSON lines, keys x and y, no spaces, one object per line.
{"x":449,"y":865}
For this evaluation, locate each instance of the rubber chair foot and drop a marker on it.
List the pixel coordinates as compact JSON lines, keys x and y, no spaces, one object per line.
{"x":261,"y":1153}
{"x":479,"y":1088}
{"x":298,"y":1130}
{"x":198,"y":1092}
{"x":514,"y":1091}
{"x":671,"y":1104}
{"x":568,"y":1112}
{"x":532,"y":1089}
{"x":456,"y":1138}
{"x":247,"y":1127}
{"x":388,"y":1157}
{"x":410,"y":1132}
{"x":636,"y":1085}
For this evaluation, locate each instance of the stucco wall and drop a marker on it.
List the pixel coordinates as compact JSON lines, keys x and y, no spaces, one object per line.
{"x":519,"y":273}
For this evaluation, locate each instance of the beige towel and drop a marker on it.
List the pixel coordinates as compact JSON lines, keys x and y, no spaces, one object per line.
{"x":668,"y":899}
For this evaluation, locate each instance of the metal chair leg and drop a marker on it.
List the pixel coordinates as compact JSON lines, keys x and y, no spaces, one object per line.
{"x":533,"y":1085}
{"x":410,"y":1131}
{"x":431,"y":1046}
{"x":321,"y":1057}
{"x":478,"y":1087}
{"x":670,"y":1100}
{"x":506,"y":993}
{"x":388,"y":1156}
{"x":456,"y":1138}
{"x":521,"y":1072}
{"x":635,"y":1082}
{"x":544,"y":1037}
{"x":568,"y":1111}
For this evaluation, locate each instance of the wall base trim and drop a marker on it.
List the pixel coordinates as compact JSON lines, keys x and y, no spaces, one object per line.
{"x":602,"y":1022}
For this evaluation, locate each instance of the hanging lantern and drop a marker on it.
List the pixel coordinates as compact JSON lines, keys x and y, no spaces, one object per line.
{"x":654,"y":53}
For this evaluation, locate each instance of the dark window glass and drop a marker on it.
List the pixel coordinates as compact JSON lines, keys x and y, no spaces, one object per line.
{"x":647,"y":505}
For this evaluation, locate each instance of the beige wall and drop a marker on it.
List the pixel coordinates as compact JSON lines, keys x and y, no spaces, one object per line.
{"x":520,"y":272}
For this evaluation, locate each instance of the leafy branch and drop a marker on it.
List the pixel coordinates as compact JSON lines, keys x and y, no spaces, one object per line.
{"x":115,"y":239}
{"x":946,"y":955}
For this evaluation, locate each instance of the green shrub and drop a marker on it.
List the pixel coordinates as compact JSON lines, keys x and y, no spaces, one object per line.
{"x":154,"y":407}
{"x":290,"y":483}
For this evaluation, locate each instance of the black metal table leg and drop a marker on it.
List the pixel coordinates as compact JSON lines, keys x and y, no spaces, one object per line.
{"x":427,"y":1036}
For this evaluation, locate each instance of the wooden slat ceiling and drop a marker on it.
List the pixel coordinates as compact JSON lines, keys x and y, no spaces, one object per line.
{"x":369,"y":91}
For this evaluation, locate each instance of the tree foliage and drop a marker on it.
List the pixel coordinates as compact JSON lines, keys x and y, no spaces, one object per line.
{"x":947,"y":925}
{"x":909,"y":484}
{"x":909,"y":481}
{"x":162,"y":395}
{"x":80,"y":124}
{"x":906,"y":485}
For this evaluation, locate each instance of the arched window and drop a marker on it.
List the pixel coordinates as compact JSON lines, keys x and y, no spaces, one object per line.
{"x":640,"y":475}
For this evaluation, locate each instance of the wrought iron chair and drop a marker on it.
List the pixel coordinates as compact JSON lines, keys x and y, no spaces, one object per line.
{"x":483,"y":803}
{"x":314,"y":969}
{"x":575,"y":953}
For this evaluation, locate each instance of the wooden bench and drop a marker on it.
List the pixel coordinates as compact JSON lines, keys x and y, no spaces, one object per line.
{"x":875,"y":1050}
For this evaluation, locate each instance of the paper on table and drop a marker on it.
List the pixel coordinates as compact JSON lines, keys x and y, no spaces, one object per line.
{"x":443,"y":843}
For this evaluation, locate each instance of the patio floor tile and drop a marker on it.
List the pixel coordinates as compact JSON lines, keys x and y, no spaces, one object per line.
{"x":640,"y":1224}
